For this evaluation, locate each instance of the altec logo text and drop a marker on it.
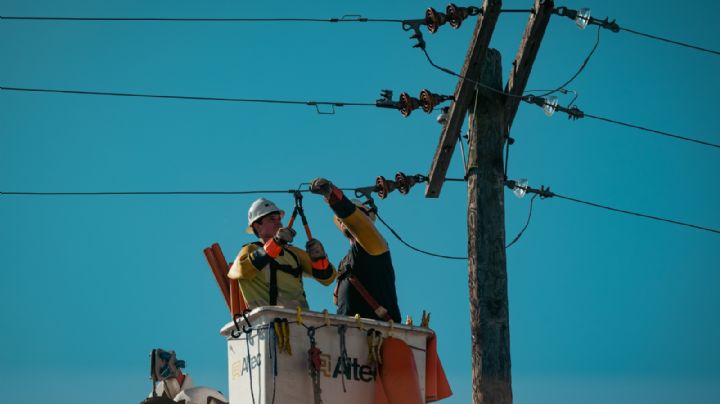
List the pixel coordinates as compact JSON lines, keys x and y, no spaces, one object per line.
{"x":350,"y":368}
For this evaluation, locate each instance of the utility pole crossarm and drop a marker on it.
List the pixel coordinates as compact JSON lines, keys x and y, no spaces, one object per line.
{"x":522,"y":65}
{"x":464,"y":92}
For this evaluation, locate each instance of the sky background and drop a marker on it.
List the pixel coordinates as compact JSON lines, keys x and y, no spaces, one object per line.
{"x":604,"y":307}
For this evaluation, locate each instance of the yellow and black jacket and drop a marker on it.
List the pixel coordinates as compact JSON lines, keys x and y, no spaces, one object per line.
{"x":368,"y":261}
{"x":267,"y":281}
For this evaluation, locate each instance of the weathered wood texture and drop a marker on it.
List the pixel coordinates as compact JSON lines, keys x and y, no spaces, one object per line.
{"x":522,"y":65}
{"x":489,"y":314}
{"x":463,"y":94}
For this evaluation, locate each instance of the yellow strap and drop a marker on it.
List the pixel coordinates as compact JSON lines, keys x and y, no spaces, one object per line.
{"x":279,"y":335}
{"x":299,"y":315}
{"x":286,"y":333}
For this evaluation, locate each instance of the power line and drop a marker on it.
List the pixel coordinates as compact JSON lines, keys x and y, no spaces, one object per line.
{"x":582,"y":67}
{"x":687,"y":45}
{"x":582,"y":18}
{"x":659,"y":132}
{"x":544,"y":192}
{"x":137,"y":193}
{"x":194,"y":98}
{"x":177,"y":193}
{"x":527,"y":223}
{"x":397,"y":236}
{"x":573,"y":112}
{"x":345,"y":18}
{"x":597,"y":205}
{"x":477,"y":83}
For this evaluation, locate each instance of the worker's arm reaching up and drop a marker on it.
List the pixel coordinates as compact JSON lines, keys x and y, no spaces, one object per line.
{"x":354,"y":219}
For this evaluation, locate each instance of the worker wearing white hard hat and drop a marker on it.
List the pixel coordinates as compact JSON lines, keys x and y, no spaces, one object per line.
{"x":270,"y":270}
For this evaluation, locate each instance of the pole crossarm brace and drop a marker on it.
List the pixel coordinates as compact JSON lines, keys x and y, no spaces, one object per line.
{"x":522,"y":65}
{"x":464,"y":91}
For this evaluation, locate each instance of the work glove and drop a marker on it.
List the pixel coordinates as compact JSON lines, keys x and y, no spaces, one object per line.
{"x":315,"y":250}
{"x":321,"y":186}
{"x":324,"y":187}
{"x":284,"y":236}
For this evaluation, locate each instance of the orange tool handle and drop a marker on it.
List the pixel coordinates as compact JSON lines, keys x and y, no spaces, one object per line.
{"x":237,"y":301}
{"x":220,"y":276}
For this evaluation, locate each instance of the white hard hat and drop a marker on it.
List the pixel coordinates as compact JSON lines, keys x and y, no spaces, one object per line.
{"x":260,"y":208}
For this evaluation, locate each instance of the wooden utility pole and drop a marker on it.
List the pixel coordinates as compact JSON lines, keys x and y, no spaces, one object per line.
{"x":492,"y":111}
{"x":489,"y":315}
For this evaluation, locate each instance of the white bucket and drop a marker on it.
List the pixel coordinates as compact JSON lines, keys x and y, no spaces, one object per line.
{"x":258,"y":373}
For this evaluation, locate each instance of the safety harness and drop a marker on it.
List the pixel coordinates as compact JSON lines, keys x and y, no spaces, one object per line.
{"x":289,"y":269}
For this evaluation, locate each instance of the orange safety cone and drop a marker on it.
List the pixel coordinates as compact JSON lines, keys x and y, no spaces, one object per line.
{"x":398,"y":374}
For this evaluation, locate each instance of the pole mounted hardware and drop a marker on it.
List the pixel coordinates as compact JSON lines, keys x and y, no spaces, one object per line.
{"x":429,"y":100}
{"x":543,"y":192}
{"x":434,"y":19}
{"x":407,"y":103}
{"x":453,"y":14}
{"x":582,"y":18}
{"x":402,"y":183}
{"x":551,"y":105}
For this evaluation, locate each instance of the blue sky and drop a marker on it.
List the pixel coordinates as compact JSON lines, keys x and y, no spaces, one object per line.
{"x":603,"y":307}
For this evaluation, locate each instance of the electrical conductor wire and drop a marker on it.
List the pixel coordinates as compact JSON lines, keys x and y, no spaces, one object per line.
{"x":527,"y":223}
{"x":582,"y":67}
{"x":128,"y":193}
{"x":659,"y":132}
{"x":186,"y":97}
{"x":687,"y":45}
{"x":345,"y":18}
{"x":415,"y":248}
{"x":597,"y":205}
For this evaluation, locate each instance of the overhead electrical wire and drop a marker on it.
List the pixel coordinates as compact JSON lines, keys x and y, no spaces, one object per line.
{"x":671,"y":41}
{"x":186,"y":97}
{"x":330,"y":103}
{"x":146,"y":193}
{"x":345,"y":18}
{"x":661,"y":219}
{"x":544,"y":193}
{"x":574,"y":111}
{"x":582,"y":67}
{"x":582,"y":19}
{"x":659,"y":132}
{"x":527,"y":223}
{"x":397,"y":236}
